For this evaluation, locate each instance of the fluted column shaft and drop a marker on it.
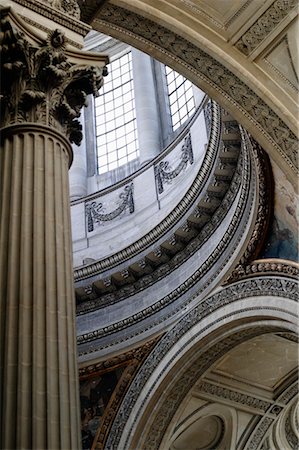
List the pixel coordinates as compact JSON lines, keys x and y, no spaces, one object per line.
{"x":38,"y":378}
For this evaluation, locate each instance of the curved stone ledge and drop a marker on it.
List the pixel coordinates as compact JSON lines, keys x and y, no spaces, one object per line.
{"x":160,"y":220}
{"x":164,"y":310}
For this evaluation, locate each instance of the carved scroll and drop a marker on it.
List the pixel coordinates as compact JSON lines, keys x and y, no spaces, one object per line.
{"x":163,"y":173}
{"x":95,"y":210}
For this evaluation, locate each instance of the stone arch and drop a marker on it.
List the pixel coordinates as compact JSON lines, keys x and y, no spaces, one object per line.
{"x":239,"y":93}
{"x":252,"y":308}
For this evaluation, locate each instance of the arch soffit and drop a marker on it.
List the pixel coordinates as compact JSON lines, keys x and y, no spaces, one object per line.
{"x":235,"y":92}
{"x":257,"y":306}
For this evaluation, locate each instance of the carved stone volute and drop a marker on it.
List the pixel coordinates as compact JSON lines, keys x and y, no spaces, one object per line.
{"x":39,"y":83}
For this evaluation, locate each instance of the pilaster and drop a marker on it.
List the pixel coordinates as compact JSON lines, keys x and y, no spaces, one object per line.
{"x":148,"y":125}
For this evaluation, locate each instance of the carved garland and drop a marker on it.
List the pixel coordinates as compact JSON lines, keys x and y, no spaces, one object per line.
{"x":163,"y":174}
{"x":174,"y":216}
{"x":94,"y":210}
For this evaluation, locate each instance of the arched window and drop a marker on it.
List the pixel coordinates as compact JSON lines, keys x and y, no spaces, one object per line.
{"x":116,"y":118}
{"x":180,"y":95}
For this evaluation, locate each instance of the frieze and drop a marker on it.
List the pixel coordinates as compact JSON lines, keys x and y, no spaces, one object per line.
{"x":265,"y":25}
{"x":114,"y":18}
{"x":228,"y":394}
{"x":60,"y":12}
{"x":179,"y":258}
{"x":258,"y":435}
{"x":261,"y":266}
{"x":95,"y":210}
{"x":163,"y":171}
{"x":39,"y":84}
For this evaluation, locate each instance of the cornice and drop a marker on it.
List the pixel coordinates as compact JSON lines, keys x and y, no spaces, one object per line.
{"x":266,"y":266}
{"x":66,"y":17}
{"x":202,"y":234}
{"x":241,"y":214}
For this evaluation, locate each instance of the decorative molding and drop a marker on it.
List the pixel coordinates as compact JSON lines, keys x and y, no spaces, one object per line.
{"x":48,"y":30}
{"x":262,"y":266}
{"x":40,"y":85}
{"x":118,"y":20}
{"x":234,"y":396}
{"x":95,"y":214}
{"x":259,"y":433}
{"x":137,"y":354}
{"x":260,"y":30}
{"x":179,"y":258}
{"x":59,"y":11}
{"x":192,"y":280}
{"x":163,"y":172}
{"x":237,"y":14}
{"x":174,"y":216}
{"x":288,"y":394}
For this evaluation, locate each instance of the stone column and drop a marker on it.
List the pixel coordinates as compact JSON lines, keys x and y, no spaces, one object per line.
{"x":42,"y":94}
{"x":148,"y":125}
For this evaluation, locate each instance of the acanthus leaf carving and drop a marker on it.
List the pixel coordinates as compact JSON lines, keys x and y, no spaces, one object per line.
{"x":39,"y":84}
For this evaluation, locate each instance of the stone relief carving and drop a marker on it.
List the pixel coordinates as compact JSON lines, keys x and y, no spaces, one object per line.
{"x":68,"y":7}
{"x":40,"y":85}
{"x":265,"y":266}
{"x":207,"y":68}
{"x":59,"y":16}
{"x":163,"y":171}
{"x":259,"y":433}
{"x":264,"y":25}
{"x":95,"y":211}
{"x":234,"y":396}
{"x":193,"y":246}
{"x":194,"y":278}
{"x":175,"y":215}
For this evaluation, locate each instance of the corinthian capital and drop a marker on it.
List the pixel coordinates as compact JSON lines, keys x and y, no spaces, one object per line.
{"x":41,"y":81}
